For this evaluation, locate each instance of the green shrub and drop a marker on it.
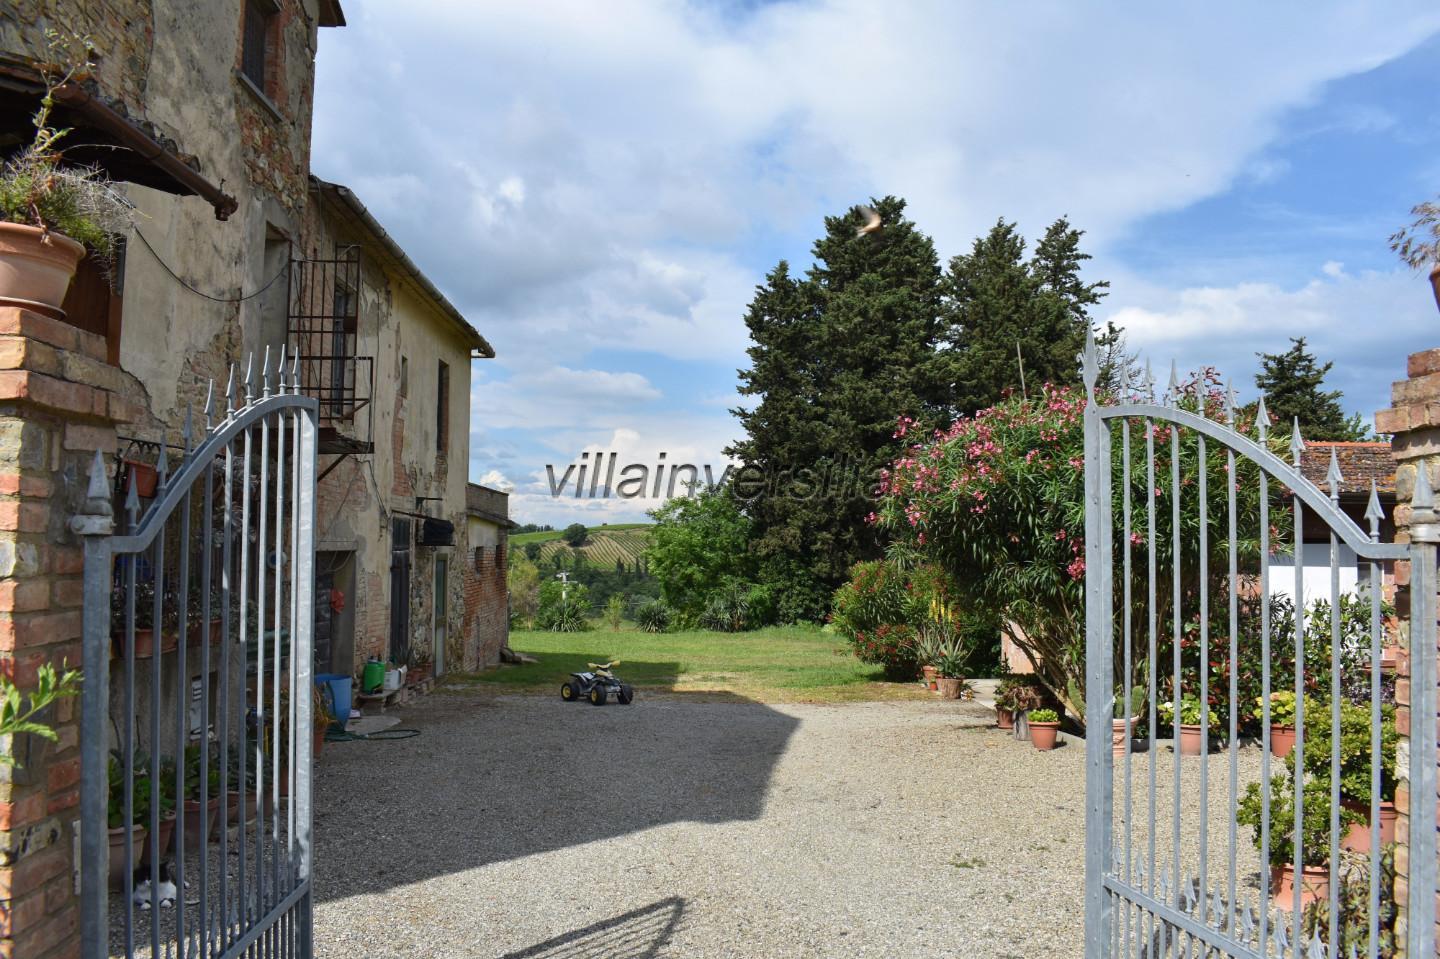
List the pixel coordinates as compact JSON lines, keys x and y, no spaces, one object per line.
{"x":727,"y":609}
{"x":1044,"y":716}
{"x":563,"y":609}
{"x":615,"y":611}
{"x":654,"y":616}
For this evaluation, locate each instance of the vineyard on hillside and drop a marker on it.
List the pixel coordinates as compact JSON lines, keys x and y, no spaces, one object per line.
{"x":603,"y":548}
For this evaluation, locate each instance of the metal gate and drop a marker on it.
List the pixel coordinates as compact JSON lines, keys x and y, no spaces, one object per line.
{"x":1198,"y":622}
{"x":197,"y":718}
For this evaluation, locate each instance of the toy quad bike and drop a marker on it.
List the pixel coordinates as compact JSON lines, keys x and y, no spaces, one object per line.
{"x":597,"y":686}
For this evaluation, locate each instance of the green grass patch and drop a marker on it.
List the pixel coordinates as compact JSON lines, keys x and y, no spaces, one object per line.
{"x":781,"y":664}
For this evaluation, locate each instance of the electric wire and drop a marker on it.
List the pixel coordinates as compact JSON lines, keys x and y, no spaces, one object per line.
{"x":216,"y":299}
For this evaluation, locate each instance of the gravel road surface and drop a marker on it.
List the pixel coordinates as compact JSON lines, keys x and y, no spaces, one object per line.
{"x":518,"y":826}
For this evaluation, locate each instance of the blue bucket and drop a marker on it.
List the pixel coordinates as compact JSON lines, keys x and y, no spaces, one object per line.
{"x":336,"y":690}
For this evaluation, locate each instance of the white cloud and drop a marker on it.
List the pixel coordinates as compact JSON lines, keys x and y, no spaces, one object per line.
{"x":1365,"y":323}
{"x":666,"y":133}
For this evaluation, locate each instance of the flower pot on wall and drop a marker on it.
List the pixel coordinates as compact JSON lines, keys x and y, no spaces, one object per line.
{"x":36,"y":267}
{"x":1042,"y":735}
{"x":144,"y":643}
{"x":1282,"y":740}
{"x":142,"y":478}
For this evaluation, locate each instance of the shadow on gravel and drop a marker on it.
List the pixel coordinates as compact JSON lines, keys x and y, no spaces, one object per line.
{"x":637,"y":934}
{"x":492,"y":779}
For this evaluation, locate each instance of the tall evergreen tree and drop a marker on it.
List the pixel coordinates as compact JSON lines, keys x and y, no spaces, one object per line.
{"x":1013,"y":323}
{"x":836,"y":357}
{"x":1292,"y":381}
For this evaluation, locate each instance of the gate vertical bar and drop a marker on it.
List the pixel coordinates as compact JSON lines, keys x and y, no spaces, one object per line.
{"x":1098,"y":654}
{"x":94,"y":525}
{"x":1424,"y":535}
{"x":304,"y":641}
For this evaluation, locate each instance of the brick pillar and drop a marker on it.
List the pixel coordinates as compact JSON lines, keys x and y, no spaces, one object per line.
{"x":1414,"y":422}
{"x":58,"y":404}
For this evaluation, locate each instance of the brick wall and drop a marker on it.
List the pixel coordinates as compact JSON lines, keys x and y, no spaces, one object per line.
{"x":58,"y":404}
{"x":487,"y":620}
{"x":1414,"y":421}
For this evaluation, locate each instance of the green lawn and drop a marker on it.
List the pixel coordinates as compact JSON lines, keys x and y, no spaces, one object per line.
{"x":783,"y":664}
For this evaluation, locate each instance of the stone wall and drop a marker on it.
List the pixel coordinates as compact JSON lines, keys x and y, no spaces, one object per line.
{"x":59,"y":402}
{"x":1414,"y":421}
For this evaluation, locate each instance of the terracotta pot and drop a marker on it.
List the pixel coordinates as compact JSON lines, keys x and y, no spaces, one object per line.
{"x":1314,"y":886}
{"x":949,"y":687}
{"x":1189,"y":744}
{"x":199,"y":826}
{"x":1120,"y":734}
{"x":117,"y":852}
{"x":165,"y":834}
{"x":1004,"y":718}
{"x":36,"y":268}
{"x":1282,"y":740}
{"x":232,"y":816}
{"x":1357,"y":837}
{"x":142,"y":478}
{"x":144,"y":643}
{"x":318,"y":742}
{"x":418,"y":674}
{"x":1042,"y":735}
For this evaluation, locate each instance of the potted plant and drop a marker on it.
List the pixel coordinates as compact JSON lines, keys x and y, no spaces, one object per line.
{"x":951,"y":677}
{"x":200,"y":820}
{"x":1314,"y":835}
{"x":1418,"y":245}
{"x":1044,"y":724}
{"x":1014,"y":697}
{"x":1355,"y":766}
{"x":1126,"y":712}
{"x":1191,"y":711}
{"x":139,"y":817}
{"x":420,"y":665}
{"x":926,"y":648}
{"x":51,"y":214}
{"x":1282,"y":721}
{"x":145,"y":632}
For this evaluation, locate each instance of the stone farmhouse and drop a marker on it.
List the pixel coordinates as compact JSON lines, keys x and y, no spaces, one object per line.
{"x":202,"y":110}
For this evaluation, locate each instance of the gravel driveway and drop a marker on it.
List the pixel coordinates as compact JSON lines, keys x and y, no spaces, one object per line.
{"x":521,"y":826}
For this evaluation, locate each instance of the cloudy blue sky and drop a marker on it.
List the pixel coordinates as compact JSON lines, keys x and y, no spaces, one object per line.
{"x":599,"y":186}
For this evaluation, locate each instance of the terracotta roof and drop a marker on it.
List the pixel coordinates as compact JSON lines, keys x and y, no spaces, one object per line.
{"x":1359,"y":464}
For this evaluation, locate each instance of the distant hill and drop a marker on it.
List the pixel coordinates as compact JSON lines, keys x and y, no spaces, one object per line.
{"x":603,"y":546}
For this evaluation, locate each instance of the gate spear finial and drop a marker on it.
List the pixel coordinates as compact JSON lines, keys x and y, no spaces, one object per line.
{"x":1172,"y":390}
{"x":280,"y":369}
{"x":1262,"y":420}
{"x":132,"y":505}
{"x":1089,"y":367}
{"x":249,"y":376}
{"x":1297,"y":445}
{"x":1333,"y":477}
{"x":1373,"y":513}
{"x":230,"y":393}
{"x":1230,"y":403}
{"x":1149,"y":380}
{"x":265,"y":372}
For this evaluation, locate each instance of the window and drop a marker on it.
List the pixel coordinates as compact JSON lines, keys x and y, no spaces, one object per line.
{"x":442,"y":410}
{"x":255,"y":52}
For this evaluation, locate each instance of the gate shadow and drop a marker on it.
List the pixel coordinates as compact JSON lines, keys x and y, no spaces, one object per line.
{"x":496,"y":778}
{"x":637,"y":934}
